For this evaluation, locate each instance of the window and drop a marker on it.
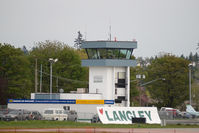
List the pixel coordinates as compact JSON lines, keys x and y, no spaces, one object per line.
{"x":122,"y":54}
{"x":102,"y":53}
{"x":56,"y":112}
{"x":48,"y":112}
{"x":65,"y":112}
{"x":109,"y":53}
{"x":121,"y":83}
{"x":116,"y":53}
{"x":128,"y":54}
{"x":121,"y":75}
{"x":92,"y":53}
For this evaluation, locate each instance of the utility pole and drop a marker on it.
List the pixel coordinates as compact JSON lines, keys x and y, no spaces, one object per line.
{"x":190,"y":65}
{"x":36,"y":75}
{"x":41,"y":78}
{"x":51,"y":80}
{"x":57,"y":85}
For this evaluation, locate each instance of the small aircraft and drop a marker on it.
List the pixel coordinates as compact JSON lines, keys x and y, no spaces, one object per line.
{"x":191,"y":110}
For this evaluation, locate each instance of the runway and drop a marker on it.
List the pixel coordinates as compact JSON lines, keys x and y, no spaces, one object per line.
{"x":105,"y":130}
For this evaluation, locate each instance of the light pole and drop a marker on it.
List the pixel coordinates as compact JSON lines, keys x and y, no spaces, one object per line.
{"x":51,"y":60}
{"x":190,"y":65}
{"x":143,"y":84}
{"x":139,"y":76}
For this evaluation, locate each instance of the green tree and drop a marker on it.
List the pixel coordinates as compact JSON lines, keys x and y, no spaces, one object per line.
{"x":67,"y":69}
{"x":172,"y":91}
{"x":14,"y":73}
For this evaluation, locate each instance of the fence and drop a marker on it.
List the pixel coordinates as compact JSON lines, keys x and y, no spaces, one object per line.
{"x":84,"y":116}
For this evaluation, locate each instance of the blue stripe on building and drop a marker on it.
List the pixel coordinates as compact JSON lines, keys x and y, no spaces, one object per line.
{"x":50,"y":101}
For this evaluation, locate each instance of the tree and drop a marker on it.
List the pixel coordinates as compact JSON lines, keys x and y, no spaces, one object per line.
{"x":78,"y":41}
{"x":172,"y":91}
{"x":14,"y":73}
{"x":67,"y":69}
{"x":191,"y":57}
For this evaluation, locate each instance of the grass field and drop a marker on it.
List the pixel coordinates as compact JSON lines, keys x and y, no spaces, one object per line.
{"x":67,"y":124}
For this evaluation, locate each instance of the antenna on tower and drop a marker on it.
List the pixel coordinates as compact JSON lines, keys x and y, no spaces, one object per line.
{"x":85,"y":32}
{"x":110,"y":32}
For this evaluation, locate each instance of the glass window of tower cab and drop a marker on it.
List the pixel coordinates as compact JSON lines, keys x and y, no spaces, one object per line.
{"x":109,"y":49}
{"x":109,"y":53}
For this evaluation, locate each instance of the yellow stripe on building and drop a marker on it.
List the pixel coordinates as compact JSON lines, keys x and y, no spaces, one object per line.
{"x":10,"y":100}
{"x":89,"y":101}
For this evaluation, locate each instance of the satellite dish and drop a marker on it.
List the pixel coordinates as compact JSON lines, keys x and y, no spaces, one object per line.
{"x":61,"y":90}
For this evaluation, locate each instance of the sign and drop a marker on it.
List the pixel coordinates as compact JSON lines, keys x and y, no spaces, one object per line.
{"x":43,"y":101}
{"x":60,"y":101}
{"x":98,"y":79}
{"x":124,"y":115}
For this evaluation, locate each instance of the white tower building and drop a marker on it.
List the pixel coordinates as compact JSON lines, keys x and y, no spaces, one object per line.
{"x":109,"y":65}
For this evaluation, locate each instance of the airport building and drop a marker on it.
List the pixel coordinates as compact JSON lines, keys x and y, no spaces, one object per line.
{"x":109,"y":65}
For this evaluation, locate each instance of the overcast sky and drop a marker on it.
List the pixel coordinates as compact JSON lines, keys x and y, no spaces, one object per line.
{"x":158,"y":25}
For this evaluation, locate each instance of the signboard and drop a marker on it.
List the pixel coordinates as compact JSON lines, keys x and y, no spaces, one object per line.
{"x":60,"y":101}
{"x":124,"y":115}
{"x":43,"y":101}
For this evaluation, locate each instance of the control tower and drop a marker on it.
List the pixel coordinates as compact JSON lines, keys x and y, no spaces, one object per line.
{"x":109,"y":65}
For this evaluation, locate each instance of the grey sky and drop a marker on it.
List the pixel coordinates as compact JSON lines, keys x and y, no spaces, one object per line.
{"x":158,"y":25}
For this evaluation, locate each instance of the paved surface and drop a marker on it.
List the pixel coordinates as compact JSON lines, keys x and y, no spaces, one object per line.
{"x":106,"y":130}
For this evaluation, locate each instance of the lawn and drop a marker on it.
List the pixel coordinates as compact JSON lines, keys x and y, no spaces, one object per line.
{"x":67,"y":124}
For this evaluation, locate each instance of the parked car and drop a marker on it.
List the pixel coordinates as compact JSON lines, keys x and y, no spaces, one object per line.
{"x":169,"y":111}
{"x":16,"y":115}
{"x":95,"y":119}
{"x":1,"y":115}
{"x":55,"y":114}
{"x":186,"y":115}
{"x":35,"y":115}
{"x":72,"y":115}
{"x":3,"y":112}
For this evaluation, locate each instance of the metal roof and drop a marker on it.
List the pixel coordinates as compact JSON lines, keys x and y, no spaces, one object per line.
{"x":109,"y":44}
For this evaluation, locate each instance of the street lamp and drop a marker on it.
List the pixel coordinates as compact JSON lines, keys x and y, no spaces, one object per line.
{"x":51,"y":60}
{"x":190,"y":65}
{"x":152,"y":81}
{"x":139,"y":76}
{"x":141,"y":85}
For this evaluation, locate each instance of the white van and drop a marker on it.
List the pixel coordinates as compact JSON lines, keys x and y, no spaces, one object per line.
{"x":55,"y":114}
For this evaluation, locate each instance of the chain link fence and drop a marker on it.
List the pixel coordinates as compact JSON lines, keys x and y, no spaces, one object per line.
{"x":84,"y":116}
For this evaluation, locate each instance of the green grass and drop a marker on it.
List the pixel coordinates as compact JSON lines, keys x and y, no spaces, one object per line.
{"x":67,"y":124}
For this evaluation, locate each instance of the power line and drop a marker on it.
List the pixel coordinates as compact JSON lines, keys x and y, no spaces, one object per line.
{"x":66,"y":79}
